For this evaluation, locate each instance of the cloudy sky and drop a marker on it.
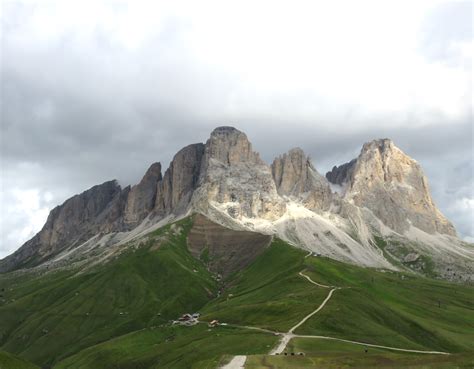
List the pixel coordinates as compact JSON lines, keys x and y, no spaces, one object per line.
{"x":92,"y":91}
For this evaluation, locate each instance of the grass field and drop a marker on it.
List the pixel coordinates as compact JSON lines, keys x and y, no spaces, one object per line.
{"x":393,"y":309}
{"x":117,"y":315}
{"x":10,"y":361}
{"x":50,"y":317}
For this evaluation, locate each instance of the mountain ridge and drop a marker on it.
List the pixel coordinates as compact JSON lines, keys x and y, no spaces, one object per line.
{"x":385,"y":193}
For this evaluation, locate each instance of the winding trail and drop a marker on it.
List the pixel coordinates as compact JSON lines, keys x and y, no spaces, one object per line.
{"x":313,"y":282}
{"x":238,"y":362}
{"x":286,"y":337}
{"x":373,"y":345}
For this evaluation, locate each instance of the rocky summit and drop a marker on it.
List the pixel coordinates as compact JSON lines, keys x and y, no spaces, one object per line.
{"x":374,"y":211}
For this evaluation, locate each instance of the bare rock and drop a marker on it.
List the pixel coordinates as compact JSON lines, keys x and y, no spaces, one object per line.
{"x":174,"y":192}
{"x":141,"y":199}
{"x":295,"y":176}
{"x":392,"y":185}
{"x":79,"y":218}
{"x":234,"y":178}
{"x":341,"y":174}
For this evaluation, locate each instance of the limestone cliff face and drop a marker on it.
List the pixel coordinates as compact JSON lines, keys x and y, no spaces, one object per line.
{"x":393,"y":186}
{"x":234,"y":178}
{"x":295,"y":177}
{"x":174,"y":192}
{"x":96,"y":210}
{"x":141,"y":199}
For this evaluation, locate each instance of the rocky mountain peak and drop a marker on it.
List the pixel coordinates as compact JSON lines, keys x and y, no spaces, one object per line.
{"x":76,"y":220}
{"x":235,"y":179}
{"x":381,"y":144}
{"x":391,"y":184}
{"x":295,"y":176}
{"x":230,"y":146}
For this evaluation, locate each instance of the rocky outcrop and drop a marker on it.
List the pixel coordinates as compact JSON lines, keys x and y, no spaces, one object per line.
{"x":230,"y":146}
{"x":141,"y":199}
{"x":79,"y":218}
{"x":235,"y":179}
{"x":295,"y":177}
{"x":180,"y":180}
{"x":393,"y":186}
{"x":341,"y":174}
{"x":224,"y":250}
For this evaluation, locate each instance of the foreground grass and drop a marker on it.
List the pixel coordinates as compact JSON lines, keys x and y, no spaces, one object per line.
{"x":9,"y":361}
{"x":392,"y":309}
{"x":352,"y":360}
{"x":171,"y":347}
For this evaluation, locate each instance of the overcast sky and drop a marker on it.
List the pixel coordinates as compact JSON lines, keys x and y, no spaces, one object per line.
{"x":92,"y":91}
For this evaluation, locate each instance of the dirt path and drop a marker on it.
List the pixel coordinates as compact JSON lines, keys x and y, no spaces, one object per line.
{"x":373,"y":345}
{"x":313,"y":282}
{"x":238,"y":362}
{"x":286,"y":337}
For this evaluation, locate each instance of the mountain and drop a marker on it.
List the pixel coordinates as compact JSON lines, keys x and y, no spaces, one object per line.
{"x":374,"y":211}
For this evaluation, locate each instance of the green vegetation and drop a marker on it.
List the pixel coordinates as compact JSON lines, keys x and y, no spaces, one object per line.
{"x":329,"y":354}
{"x":9,"y":361}
{"x":171,"y":347}
{"x":394,"y":309}
{"x":117,"y":315}
{"x":269,"y":294}
{"x":53,"y":316}
{"x":349,"y":359}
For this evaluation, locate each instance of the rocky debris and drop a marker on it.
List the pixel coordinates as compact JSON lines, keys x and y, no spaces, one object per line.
{"x":295,"y":176}
{"x":224,"y":250}
{"x":411,"y":257}
{"x":174,"y":192}
{"x":141,"y":198}
{"x":393,"y":186}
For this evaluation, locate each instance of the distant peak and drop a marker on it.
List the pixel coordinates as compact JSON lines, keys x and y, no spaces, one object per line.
{"x":381,"y":144}
{"x":296,"y":151}
{"x":224,"y":130}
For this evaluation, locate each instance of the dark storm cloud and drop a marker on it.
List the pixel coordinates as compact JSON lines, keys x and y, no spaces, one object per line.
{"x":91,"y":95}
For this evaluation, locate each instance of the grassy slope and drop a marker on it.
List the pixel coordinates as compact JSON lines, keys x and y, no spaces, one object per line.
{"x":57,"y":315}
{"x":269,"y":294}
{"x":9,"y":361}
{"x":385,"y":309}
{"x":326,"y":354}
{"x":171,"y":347}
{"x":379,"y":307}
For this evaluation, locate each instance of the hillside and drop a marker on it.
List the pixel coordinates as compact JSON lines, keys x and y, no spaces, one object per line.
{"x":117,"y":314}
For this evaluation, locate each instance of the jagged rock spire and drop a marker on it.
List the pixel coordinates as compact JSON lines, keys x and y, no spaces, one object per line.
{"x":392,"y":185}
{"x":296,"y":177}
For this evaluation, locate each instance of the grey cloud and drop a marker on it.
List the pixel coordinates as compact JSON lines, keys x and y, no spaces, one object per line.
{"x":76,"y":113}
